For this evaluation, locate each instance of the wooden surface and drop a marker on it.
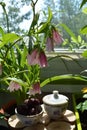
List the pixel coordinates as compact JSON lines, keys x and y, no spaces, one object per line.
{"x":67,"y":122}
{"x":60,"y":125}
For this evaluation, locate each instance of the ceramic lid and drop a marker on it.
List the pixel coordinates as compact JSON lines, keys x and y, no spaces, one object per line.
{"x":55,"y":99}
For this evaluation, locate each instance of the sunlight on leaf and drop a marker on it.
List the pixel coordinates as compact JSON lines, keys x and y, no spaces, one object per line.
{"x":84,"y":30}
{"x":9,"y":38}
{"x":1,"y":31}
{"x":84,"y":10}
{"x":79,"y":39}
{"x":18,"y":81}
{"x":72,"y":79}
{"x":84,"y":54}
{"x":85,"y":95}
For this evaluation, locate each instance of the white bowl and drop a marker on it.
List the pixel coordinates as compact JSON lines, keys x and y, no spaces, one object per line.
{"x":55,"y":105}
{"x":29,"y":119}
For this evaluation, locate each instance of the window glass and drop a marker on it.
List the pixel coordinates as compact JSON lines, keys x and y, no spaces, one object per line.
{"x":67,"y":16}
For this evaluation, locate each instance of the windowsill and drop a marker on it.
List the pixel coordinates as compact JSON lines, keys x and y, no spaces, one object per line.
{"x":65,"y":52}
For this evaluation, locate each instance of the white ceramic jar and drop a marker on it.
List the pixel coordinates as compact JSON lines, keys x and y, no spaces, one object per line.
{"x":55,"y":104}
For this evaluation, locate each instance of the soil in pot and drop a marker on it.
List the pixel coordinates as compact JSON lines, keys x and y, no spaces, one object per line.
{"x":29,"y":107}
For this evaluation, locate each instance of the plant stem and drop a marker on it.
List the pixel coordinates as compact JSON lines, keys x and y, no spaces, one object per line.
{"x":7,"y":21}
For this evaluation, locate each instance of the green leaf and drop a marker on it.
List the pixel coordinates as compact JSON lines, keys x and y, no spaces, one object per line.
{"x":13,"y":55}
{"x":85,"y":95}
{"x":69,"y":32}
{"x":85,"y":10}
{"x":83,"y":3}
{"x":23,"y":56}
{"x":2,"y":116}
{"x":9,"y":38}
{"x":27,"y":77}
{"x":21,"y":82}
{"x":84,"y":30}
{"x":35,"y":20}
{"x":79,"y":39}
{"x":44,"y":26}
{"x":1,"y":31}
{"x":49,"y":15}
{"x":84,"y":106}
{"x":83,"y":72}
{"x":18,"y":49}
{"x":79,"y":106}
{"x":66,"y":79}
{"x":84,"y":54}
{"x":1,"y":59}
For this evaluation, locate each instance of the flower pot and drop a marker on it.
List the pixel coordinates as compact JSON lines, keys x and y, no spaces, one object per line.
{"x":29,"y":119}
{"x":29,"y":112}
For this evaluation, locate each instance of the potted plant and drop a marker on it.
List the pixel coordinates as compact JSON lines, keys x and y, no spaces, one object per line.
{"x":20,"y":63}
{"x":23,"y":56}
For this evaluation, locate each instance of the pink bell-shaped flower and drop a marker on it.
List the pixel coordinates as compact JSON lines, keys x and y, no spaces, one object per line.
{"x":37,"y":56}
{"x":42,"y":59}
{"x":35,"y":89}
{"x":57,"y":37}
{"x":33,"y":57}
{"x":49,"y":44}
{"x":14,"y":86}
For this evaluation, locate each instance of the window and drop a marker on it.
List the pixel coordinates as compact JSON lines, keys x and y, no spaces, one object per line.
{"x":67,"y":16}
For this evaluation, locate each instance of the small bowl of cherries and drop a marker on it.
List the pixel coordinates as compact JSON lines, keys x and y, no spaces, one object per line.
{"x":29,"y":112}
